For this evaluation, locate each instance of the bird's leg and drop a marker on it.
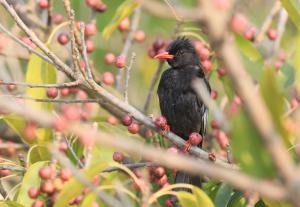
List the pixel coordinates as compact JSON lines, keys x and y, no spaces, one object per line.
{"x":187,"y":146}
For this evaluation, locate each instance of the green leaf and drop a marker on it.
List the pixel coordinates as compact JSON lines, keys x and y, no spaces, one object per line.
{"x":202,"y":198}
{"x":30,"y":179}
{"x":66,"y":194}
{"x":293,"y":9}
{"x":248,"y":149}
{"x":10,"y":204}
{"x":287,"y":77}
{"x":223,"y":195}
{"x":123,"y":11}
{"x":88,"y":200}
{"x":228,"y":87}
{"x":39,"y":71}
{"x":38,"y":153}
{"x":186,"y":199}
{"x":237,"y":200}
{"x":270,"y":91}
{"x":17,"y":124}
{"x":252,"y":57}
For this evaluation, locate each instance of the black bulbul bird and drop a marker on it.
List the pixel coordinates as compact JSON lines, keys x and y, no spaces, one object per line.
{"x":179,"y":104}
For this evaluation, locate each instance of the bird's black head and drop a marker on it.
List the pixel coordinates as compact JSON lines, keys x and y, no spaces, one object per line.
{"x":180,"y":53}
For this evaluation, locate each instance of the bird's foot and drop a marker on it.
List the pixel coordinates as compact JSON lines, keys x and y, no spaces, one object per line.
{"x":187,"y":146}
{"x":165,"y":130}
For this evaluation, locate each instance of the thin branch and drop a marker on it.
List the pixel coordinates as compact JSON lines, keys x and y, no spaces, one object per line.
{"x":32,"y":85}
{"x":13,"y":145}
{"x":131,"y":166}
{"x":84,"y":52}
{"x":48,"y":100}
{"x":154,"y":80}
{"x":12,"y":168}
{"x":81,"y":165}
{"x":20,"y":42}
{"x":128,"y":69}
{"x":127,"y":45}
{"x":283,"y":17}
{"x":267,"y":22}
{"x":58,"y":63}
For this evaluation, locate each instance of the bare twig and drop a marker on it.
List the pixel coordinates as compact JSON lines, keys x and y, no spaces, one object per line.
{"x":127,"y":45}
{"x":152,"y":85}
{"x":32,"y":85}
{"x":12,"y":168}
{"x":84,"y":52}
{"x":283,"y":17}
{"x":128,"y":69}
{"x":20,"y":42}
{"x":267,"y":22}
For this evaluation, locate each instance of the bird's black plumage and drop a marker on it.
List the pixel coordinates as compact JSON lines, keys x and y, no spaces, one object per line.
{"x":179,"y":104}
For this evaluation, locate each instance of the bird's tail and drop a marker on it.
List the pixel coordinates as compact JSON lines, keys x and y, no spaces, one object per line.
{"x":183,"y":177}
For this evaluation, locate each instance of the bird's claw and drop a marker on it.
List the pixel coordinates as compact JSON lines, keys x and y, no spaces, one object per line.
{"x":187,"y":146}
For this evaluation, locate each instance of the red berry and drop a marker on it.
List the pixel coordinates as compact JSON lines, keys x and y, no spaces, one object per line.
{"x":90,"y":29}
{"x":163,"y":180}
{"x":33,"y":192}
{"x":47,"y":187}
{"x":124,"y":24}
{"x":58,"y":184}
{"x":151,"y":53}
{"x":158,"y":44}
{"x":43,"y":4}
{"x":118,"y":156}
{"x":11,"y":87}
{"x":63,"y":146}
{"x":168,"y":203}
{"x":221,"y":4}
{"x":250,"y":33}
{"x":294,"y":103}
{"x":64,"y":92}
{"x":161,"y":122}
{"x":214,"y":94}
{"x":221,"y":72}
{"x":60,"y":124}
{"x":63,"y":38}
{"x":110,"y":58}
{"x":134,"y":128}
{"x":238,"y":23}
{"x":223,"y":140}
{"x":71,"y":112}
{"x":195,"y":138}
{"x":58,"y":18}
{"x":204,"y":54}
{"x":207,"y":65}
{"x":37,"y":203}
{"x":127,"y":120}
{"x":139,"y":36}
{"x":4,"y":173}
{"x":65,"y":174}
{"x":120,"y":62}
{"x":89,"y":46}
{"x":46,"y":172}
{"x":215,"y":124}
{"x":112,"y":120}
{"x":30,"y":131}
{"x":100,"y":7}
{"x":91,"y":3}
{"x":108,"y":78}
{"x":52,"y":92}
{"x":159,"y":172}
{"x":272,"y":34}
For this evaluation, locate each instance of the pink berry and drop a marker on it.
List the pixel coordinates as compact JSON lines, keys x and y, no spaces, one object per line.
{"x":91,"y":3}
{"x":249,"y":34}
{"x":58,"y":18}
{"x":221,"y":4}
{"x":127,"y":120}
{"x":124,"y":24}
{"x":100,"y":7}
{"x":38,"y":203}
{"x":63,"y":38}
{"x":4,"y":173}
{"x":204,"y":54}
{"x":89,"y":46}
{"x":134,"y":128}
{"x":64,"y":91}
{"x":215,"y":124}
{"x":294,"y":103}
{"x":223,"y":140}
{"x":63,"y":146}
{"x":33,"y":192}
{"x":272,"y":34}
{"x":168,"y":203}
{"x":46,"y":172}
{"x":139,"y":36}
{"x":161,"y":122}
{"x":158,"y":44}
{"x":207,"y":65}
{"x":159,"y":172}
{"x":108,"y":78}
{"x":214,"y":94}
{"x":118,"y":156}
{"x":221,"y":72}
{"x":112,"y":120}
{"x":110,"y":58}
{"x":71,"y":113}
{"x":195,"y":138}
{"x":52,"y":92}
{"x":30,"y":131}
{"x":65,"y":174}
{"x":163,"y":180}
{"x":11,"y":87}
{"x":120,"y":62}
{"x":238,"y":23}
{"x":60,"y":124}
{"x":47,"y":187}
{"x":90,"y":29}
{"x":43,"y":4}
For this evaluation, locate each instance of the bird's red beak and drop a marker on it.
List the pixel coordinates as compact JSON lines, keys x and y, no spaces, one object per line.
{"x":164,"y":56}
